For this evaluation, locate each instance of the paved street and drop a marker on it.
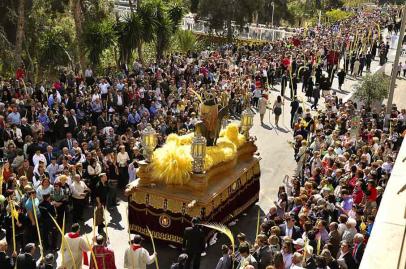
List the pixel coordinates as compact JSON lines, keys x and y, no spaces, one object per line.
{"x":277,"y":161}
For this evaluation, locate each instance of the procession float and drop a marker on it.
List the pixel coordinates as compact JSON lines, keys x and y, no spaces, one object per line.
{"x":212,"y":173}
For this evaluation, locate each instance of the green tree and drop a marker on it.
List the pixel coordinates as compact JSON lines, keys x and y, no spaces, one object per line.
{"x":129,"y":34}
{"x":98,"y":36}
{"x":221,"y":13}
{"x":168,"y":21}
{"x":163,"y":31}
{"x":335,"y":15}
{"x":186,"y":40}
{"x":54,"y":46}
{"x":372,"y":88}
{"x":281,"y":13}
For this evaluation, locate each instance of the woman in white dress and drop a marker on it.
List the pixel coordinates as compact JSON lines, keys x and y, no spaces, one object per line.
{"x":262,"y":103}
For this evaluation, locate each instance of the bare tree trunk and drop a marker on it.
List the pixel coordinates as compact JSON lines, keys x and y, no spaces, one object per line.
{"x":20,"y":30}
{"x":140,"y":54}
{"x":77,"y":16}
{"x":229,"y":31}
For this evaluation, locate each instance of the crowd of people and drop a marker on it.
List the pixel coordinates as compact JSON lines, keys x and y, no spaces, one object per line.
{"x":75,"y":142}
{"x":324,"y":214}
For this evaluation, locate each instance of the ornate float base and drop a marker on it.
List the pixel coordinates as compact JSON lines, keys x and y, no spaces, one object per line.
{"x":168,"y":210}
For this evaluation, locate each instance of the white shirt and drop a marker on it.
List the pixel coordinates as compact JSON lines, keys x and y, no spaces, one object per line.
{"x":36,"y":158}
{"x":77,"y":245}
{"x":104,"y":87}
{"x":41,"y":191}
{"x":119,"y":100}
{"x":137,"y":259}
{"x":88,"y":73}
{"x":77,"y":189}
{"x":122,"y":159}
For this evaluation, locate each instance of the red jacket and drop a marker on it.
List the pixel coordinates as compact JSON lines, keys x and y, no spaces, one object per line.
{"x":104,"y":258}
{"x":20,"y":73}
{"x":373,"y":194}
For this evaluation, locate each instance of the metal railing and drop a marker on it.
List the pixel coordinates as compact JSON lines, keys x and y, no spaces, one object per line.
{"x":251,"y":31}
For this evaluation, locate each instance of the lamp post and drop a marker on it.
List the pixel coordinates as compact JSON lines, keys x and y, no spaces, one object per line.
{"x":247,"y":121}
{"x":198,"y":151}
{"x":149,"y":142}
{"x":273,"y":30}
{"x":395,"y":68}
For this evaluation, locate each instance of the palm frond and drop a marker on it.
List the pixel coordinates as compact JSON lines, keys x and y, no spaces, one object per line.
{"x":222,"y":229}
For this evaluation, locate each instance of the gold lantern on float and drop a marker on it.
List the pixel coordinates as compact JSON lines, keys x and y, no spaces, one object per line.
{"x":198,"y":152}
{"x":149,"y":141}
{"x":247,"y":121}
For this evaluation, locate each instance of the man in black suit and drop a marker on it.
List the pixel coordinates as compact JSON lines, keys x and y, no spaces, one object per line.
{"x":25,"y":128}
{"x":67,"y":142}
{"x":25,"y":260}
{"x":294,"y":107}
{"x":290,"y":229}
{"x":73,"y":122}
{"x":358,"y":249}
{"x":5,"y":261}
{"x":345,"y":259}
{"x":310,"y":261}
{"x":49,"y":155}
{"x":263,"y":254}
{"x":67,"y":100}
{"x":193,"y":244}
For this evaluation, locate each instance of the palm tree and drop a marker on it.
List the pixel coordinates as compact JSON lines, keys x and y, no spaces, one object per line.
{"x":187,"y":40}
{"x":164,"y":30}
{"x":129,"y":35}
{"x":147,"y":14}
{"x":168,"y":21}
{"x":98,"y":36}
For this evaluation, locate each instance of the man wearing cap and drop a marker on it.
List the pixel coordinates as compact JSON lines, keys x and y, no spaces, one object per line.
{"x":298,"y":244}
{"x":193,"y":244}
{"x":137,"y":257}
{"x":78,"y":246}
{"x":104,"y":255}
